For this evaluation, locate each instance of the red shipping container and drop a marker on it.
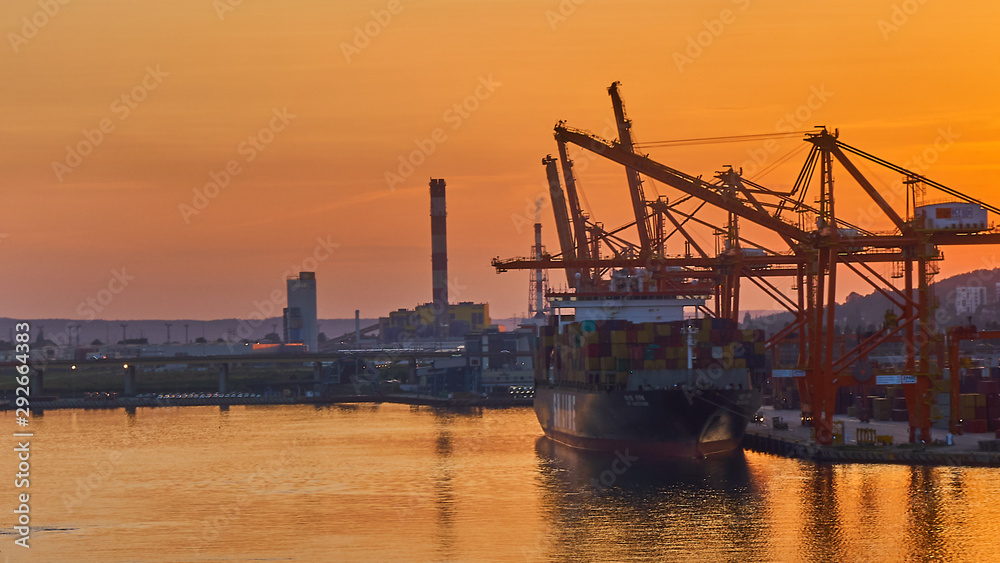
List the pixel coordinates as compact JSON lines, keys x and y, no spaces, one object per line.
{"x":974,"y":426}
{"x":988,"y":386}
{"x":992,"y":424}
{"x":981,"y":413}
{"x":992,"y":406}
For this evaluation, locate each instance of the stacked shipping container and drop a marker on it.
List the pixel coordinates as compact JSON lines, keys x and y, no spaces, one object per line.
{"x":605,"y":352}
{"x":980,"y":411}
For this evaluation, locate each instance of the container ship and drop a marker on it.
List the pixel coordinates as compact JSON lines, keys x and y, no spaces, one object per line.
{"x":628,"y":372}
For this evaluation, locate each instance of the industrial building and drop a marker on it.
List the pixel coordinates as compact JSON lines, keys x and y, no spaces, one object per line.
{"x":493,"y":361}
{"x":969,"y":299}
{"x":438,"y":319}
{"x":499,"y":360}
{"x":422,"y":323}
{"x":300,"y":315}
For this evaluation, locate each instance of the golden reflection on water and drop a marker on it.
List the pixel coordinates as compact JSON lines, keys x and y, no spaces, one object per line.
{"x":398,"y":483}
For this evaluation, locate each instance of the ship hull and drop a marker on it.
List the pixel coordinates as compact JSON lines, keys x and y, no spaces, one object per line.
{"x":679,"y":422}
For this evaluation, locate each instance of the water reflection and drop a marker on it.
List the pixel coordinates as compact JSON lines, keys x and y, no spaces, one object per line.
{"x":925,"y":522}
{"x":444,"y":494}
{"x":392,"y":483}
{"x":619,"y":507}
{"x":821,"y":527}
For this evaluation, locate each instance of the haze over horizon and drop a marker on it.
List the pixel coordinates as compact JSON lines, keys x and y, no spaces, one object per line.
{"x":321,"y":124}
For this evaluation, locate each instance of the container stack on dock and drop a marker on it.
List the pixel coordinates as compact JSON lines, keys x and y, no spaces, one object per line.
{"x":980,"y":411}
{"x":606,"y":351}
{"x":898,"y":401}
{"x":881,"y":408}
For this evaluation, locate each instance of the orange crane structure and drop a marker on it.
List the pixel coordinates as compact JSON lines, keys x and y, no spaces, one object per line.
{"x":816,"y":244}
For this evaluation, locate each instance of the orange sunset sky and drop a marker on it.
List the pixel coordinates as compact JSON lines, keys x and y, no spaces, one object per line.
{"x":339,"y":108}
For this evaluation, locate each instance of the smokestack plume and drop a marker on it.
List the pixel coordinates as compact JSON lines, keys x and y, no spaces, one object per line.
{"x":439,"y":253}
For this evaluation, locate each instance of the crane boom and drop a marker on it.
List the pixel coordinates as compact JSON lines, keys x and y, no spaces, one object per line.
{"x":679,"y":180}
{"x":561,"y":216}
{"x":575,"y":210}
{"x":573,"y":198}
{"x":634,"y":182}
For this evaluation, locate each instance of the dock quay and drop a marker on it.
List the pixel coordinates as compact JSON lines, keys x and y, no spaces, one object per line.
{"x":405,"y":399}
{"x":881,"y":442}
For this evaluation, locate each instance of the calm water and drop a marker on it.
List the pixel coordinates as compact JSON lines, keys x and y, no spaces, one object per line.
{"x":395,"y":483}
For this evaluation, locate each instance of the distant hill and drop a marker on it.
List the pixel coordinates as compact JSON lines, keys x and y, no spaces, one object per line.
{"x":868,"y":311}
{"x":155,"y":331}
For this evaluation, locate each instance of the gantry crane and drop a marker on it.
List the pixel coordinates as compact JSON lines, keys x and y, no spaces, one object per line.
{"x":812,"y":256}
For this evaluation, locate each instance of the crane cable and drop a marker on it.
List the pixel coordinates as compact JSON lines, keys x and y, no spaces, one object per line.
{"x":724,"y":139}
{"x":774,"y":165}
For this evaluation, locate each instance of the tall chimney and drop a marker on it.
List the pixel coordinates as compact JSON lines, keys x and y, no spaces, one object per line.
{"x":539,"y":289}
{"x":439,"y":255}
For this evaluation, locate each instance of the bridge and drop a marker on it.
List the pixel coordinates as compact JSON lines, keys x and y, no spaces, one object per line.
{"x":131,"y":366}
